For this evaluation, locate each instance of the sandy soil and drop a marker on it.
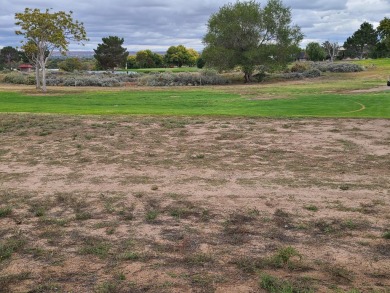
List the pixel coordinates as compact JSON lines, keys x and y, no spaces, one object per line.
{"x":147,"y":204}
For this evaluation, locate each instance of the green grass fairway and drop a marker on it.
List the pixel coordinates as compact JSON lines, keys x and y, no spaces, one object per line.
{"x":200,"y":102}
{"x":331,"y":95}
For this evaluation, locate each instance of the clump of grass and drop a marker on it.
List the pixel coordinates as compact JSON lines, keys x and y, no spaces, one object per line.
{"x":275,"y":285}
{"x":235,"y":227}
{"x":47,"y":287}
{"x":151,"y":215}
{"x":129,"y":255}
{"x":128,"y":213}
{"x":106,"y":287}
{"x":328,"y":226}
{"x":183,"y":209}
{"x":82,"y":216}
{"x":386,"y":235}
{"x":311,"y":208}
{"x":9,"y":246}
{"x":283,"y":219}
{"x":5,"y":211}
{"x":344,"y":187}
{"x":249,"y":264}
{"x":39,"y":211}
{"x":7,"y":280}
{"x":95,"y":247}
{"x":198,"y":259}
{"x":284,"y":256}
{"x":338,"y":272}
{"x":139,"y":194}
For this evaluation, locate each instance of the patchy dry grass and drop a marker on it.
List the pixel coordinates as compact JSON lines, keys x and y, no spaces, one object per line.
{"x":178,"y":204}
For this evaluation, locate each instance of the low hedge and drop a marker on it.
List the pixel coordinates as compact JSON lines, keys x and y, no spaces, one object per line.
{"x":73,"y":79}
{"x":206,"y":77}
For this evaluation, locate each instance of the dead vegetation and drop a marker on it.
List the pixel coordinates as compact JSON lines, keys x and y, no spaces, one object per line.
{"x":151,"y":204}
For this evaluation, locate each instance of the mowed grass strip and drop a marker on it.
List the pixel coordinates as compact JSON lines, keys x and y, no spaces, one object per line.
{"x":200,"y":102}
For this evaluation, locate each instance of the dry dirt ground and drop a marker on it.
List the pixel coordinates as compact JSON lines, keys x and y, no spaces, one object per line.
{"x":193,"y":204}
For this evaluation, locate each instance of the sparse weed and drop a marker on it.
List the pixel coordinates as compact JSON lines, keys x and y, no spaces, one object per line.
{"x":249,"y":264}
{"x":129,"y":255}
{"x":198,"y":259}
{"x":10,"y":245}
{"x":275,"y":285}
{"x":284,"y":255}
{"x":338,"y":272}
{"x":311,"y":208}
{"x":151,"y":215}
{"x":95,"y":246}
{"x":5,"y":211}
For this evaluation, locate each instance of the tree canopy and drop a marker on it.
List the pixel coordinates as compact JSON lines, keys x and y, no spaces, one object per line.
{"x":110,"y":53}
{"x":9,"y":56}
{"x":177,"y":56}
{"x":46,"y":31}
{"x":148,"y":59}
{"x":362,"y":41}
{"x":384,"y":32}
{"x":244,"y":34}
{"x":315,"y":51}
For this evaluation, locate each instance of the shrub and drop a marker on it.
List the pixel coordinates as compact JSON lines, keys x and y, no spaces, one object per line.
{"x":200,"y":63}
{"x":290,"y":75}
{"x":19,"y":78}
{"x":205,"y":77}
{"x":259,"y":77}
{"x":311,"y":73}
{"x":300,"y":67}
{"x":337,"y":67}
{"x":69,"y":79}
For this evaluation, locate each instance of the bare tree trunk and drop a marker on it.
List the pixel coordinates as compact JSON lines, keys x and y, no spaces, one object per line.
{"x":37,"y":77}
{"x":44,"y":79}
{"x":43,"y":67}
{"x":247,"y":77}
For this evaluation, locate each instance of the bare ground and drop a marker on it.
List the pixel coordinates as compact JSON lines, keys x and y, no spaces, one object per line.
{"x":151,"y":204}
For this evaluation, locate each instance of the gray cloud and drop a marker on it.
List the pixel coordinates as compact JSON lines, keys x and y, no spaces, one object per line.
{"x":156,"y":24}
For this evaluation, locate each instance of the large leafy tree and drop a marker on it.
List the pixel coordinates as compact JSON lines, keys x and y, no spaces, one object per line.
{"x":9,"y":56}
{"x":384,"y":32}
{"x":48,"y":31}
{"x":362,"y":41}
{"x":177,"y":56}
{"x":71,"y":64}
{"x":110,"y":53}
{"x":144,"y":59}
{"x":148,"y":59}
{"x":246,"y":35}
{"x":315,"y":51}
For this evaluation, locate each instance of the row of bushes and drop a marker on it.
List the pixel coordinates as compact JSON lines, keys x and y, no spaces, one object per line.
{"x":19,"y":78}
{"x":298,"y":70}
{"x":326,"y":66}
{"x":337,"y":67}
{"x":310,"y":73}
{"x":69,"y":79}
{"x":205,"y":77}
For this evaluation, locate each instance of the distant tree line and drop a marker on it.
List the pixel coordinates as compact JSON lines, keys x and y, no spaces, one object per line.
{"x":111,"y":54}
{"x":366,"y":42}
{"x":243,"y":35}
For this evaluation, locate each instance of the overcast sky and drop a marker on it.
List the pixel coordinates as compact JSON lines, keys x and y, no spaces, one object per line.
{"x":158,"y":24}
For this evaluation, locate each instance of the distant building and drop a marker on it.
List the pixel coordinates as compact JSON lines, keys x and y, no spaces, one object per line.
{"x":25,"y":67}
{"x":302,"y":56}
